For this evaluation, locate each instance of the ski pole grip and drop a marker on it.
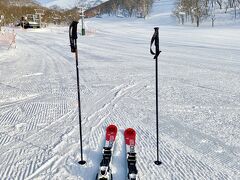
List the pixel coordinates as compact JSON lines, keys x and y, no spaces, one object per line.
{"x":74,"y":29}
{"x":73,"y":36}
{"x":157,"y":37}
{"x":155,"y":40}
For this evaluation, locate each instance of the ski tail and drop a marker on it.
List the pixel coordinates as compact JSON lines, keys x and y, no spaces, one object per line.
{"x":105,"y":172}
{"x":130,"y":140}
{"x":130,"y":137}
{"x":111,"y":132}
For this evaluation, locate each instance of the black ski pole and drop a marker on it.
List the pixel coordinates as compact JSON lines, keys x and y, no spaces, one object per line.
{"x":73,"y":43}
{"x":155,"y":39}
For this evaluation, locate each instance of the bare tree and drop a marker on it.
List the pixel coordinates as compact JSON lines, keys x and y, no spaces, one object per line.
{"x":212,"y":11}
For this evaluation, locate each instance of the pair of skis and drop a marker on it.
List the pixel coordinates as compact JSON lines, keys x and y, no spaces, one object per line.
{"x":105,"y":172}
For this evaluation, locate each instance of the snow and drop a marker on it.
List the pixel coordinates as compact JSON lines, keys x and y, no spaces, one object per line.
{"x":68,"y":4}
{"x":62,"y":3}
{"x":198,"y":97}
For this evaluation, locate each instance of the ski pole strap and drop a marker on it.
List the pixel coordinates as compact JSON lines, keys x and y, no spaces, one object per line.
{"x":73,"y":36}
{"x":155,"y":38}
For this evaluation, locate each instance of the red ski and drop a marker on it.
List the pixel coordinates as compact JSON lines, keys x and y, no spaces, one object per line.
{"x":105,"y":172}
{"x":111,"y":133}
{"x":130,"y":140}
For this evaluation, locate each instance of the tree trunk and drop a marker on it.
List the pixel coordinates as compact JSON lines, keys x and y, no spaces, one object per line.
{"x":235,"y":8}
{"x":198,"y":21}
{"x":220,"y":4}
{"x":213,"y":22}
{"x":182,"y":18}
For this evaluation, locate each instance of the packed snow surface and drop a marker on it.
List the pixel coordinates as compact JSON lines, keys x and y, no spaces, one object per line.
{"x":199,"y":101}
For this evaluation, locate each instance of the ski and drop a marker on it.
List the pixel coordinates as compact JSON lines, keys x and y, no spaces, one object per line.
{"x":105,"y":172}
{"x":130,"y":140}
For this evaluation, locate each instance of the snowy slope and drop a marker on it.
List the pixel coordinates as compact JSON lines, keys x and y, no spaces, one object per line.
{"x":66,"y":4}
{"x":22,"y":2}
{"x":198,"y":97}
{"x":161,"y":13}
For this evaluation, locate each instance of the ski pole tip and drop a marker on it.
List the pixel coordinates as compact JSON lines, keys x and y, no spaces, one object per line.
{"x":158,"y":162}
{"x":82,"y":162}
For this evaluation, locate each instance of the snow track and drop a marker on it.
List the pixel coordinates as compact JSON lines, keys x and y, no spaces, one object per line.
{"x":199,"y":102}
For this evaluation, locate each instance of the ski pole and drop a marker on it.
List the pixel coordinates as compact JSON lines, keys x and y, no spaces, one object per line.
{"x":155,"y":39}
{"x":73,"y":43}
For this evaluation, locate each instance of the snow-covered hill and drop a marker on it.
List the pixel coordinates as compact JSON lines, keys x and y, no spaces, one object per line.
{"x":66,"y":4}
{"x":21,"y":2}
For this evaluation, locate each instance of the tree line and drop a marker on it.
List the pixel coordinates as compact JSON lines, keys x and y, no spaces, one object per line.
{"x":125,"y":8}
{"x":14,"y":13}
{"x":196,"y":11}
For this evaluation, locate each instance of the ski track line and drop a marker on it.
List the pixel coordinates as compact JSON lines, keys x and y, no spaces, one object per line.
{"x":31,"y":169}
{"x":180,"y":171}
{"x":85,"y":89}
{"x":214,"y":90}
{"x":110,"y":99}
{"x":57,"y":159}
{"x":17,"y":102}
{"x":179,"y":145}
{"x":117,"y":93}
{"x":38,"y":115}
{"x":33,"y":124}
{"x":28,"y":138}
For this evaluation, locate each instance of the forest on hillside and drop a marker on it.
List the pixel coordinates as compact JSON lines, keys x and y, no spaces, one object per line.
{"x":13,"y":13}
{"x":192,"y":11}
{"x":125,"y":8}
{"x":196,"y":11}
